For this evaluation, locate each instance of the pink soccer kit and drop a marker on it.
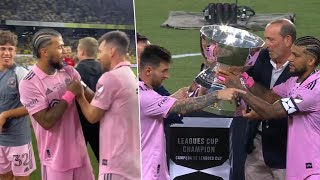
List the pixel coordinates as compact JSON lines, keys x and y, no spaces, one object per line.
{"x":62,"y":147}
{"x":302,"y":104}
{"x":153,"y":108}
{"x":119,"y":127}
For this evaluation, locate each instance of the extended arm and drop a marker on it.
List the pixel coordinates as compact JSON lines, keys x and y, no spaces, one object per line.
{"x":93,"y":114}
{"x":188,"y":105}
{"x":263,"y":108}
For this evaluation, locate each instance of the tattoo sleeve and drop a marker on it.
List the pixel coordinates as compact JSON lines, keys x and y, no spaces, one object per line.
{"x":188,"y":105}
{"x":263,"y":108}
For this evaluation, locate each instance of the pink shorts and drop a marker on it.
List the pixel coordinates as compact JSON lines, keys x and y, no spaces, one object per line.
{"x":110,"y":176}
{"x":82,"y":173}
{"x":18,"y":159}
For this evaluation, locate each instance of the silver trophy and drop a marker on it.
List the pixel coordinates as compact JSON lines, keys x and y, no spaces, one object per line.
{"x":223,"y":46}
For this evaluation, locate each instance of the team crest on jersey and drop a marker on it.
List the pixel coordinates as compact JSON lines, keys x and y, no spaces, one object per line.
{"x":12,"y":82}
{"x":309,"y":165}
{"x":67,"y":81}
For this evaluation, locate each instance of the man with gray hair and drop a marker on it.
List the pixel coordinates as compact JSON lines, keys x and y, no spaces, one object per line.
{"x":16,"y":152}
{"x":116,"y":106}
{"x":90,"y":71}
{"x":48,"y":92}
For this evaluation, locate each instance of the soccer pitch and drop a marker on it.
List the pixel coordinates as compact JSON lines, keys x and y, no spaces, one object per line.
{"x":150,"y":14}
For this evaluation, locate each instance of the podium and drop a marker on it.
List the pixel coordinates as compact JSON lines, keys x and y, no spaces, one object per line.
{"x":201,"y":149}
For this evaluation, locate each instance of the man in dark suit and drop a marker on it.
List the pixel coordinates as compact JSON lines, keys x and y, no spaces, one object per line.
{"x":267,"y":140}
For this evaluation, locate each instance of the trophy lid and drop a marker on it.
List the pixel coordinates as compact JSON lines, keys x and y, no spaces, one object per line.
{"x":231,"y":36}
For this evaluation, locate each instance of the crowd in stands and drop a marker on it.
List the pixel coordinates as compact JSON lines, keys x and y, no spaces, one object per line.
{"x":80,"y":11}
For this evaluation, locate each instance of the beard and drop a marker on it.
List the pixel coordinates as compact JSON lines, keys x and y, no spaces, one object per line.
{"x":56,"y":65}
{"x":298,"y":72}
{"x":156,"y":84}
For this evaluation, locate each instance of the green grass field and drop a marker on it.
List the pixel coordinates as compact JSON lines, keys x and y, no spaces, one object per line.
{"x":150,"y":14}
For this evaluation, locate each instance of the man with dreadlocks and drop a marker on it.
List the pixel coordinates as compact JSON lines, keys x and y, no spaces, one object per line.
{"x":296,"y":99}
{"x":48,"y":92}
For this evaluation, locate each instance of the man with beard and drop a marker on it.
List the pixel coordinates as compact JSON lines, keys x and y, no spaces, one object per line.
{"x":296,"y":99}
{"x":154,"y":69}
{"x":48,"y":92}
{"x":15,"y":134}
{"x":116,"y":106}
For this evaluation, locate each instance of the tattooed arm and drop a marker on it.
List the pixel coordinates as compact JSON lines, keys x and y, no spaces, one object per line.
{"x":188,"y":105}
{"x":263,"y":108}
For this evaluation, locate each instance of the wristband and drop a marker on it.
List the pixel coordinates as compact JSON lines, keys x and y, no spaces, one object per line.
{"x":221,"y":78}
{"x":247,"y":80}
{"x":68,"y":96}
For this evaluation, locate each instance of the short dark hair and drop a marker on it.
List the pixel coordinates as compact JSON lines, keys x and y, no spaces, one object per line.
{"x":153,"y":55}
{"x":311,"y":44}
{"x":8,"y":37}
{"x":287,"y":28}
{"x":42,"y":38}
{"x":141,"y":37}
{"x":89,"y":45}
{"x":118,"y":39}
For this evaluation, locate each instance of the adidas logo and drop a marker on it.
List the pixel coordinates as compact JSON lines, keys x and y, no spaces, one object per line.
{"x":48,"y":91}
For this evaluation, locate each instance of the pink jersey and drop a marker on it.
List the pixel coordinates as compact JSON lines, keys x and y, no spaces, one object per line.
{"x":117,"y":94}
{"x":62,"y":147}
{"x":153,"y":108}
{"x":303,"y":150}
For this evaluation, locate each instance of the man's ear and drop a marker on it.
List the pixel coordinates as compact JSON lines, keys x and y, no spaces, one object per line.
{"x":148,"y":70}
{"x":312,"y":61}
{"x":288,"y":41}
{"x":43,"y":52}
{"x":113,"y":51}
{"x":82,"y":52}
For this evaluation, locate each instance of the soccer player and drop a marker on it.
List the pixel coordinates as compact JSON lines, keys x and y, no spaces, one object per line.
{"x":154,"y":69}
{"x":48,"y":92}
{"x":116,"y":106}
{"x":297,"y":100}
{"x":16,"y":152}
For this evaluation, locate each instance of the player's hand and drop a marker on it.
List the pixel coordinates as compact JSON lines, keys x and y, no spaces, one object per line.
{"x":3,"y":120}
{"x":75,"y":87}
{"x":252,"y":115}
{"x":181,"y":93}
{"x":229,"y":79}
{"x":229,"y":94}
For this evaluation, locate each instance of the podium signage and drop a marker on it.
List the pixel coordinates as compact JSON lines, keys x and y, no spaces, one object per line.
{"x":199,"y":149}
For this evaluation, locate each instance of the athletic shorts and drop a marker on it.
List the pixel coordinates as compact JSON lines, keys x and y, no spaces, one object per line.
{"x":110,"y":176}
{"x":82,"y":173}
{"x":18,"y":159}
